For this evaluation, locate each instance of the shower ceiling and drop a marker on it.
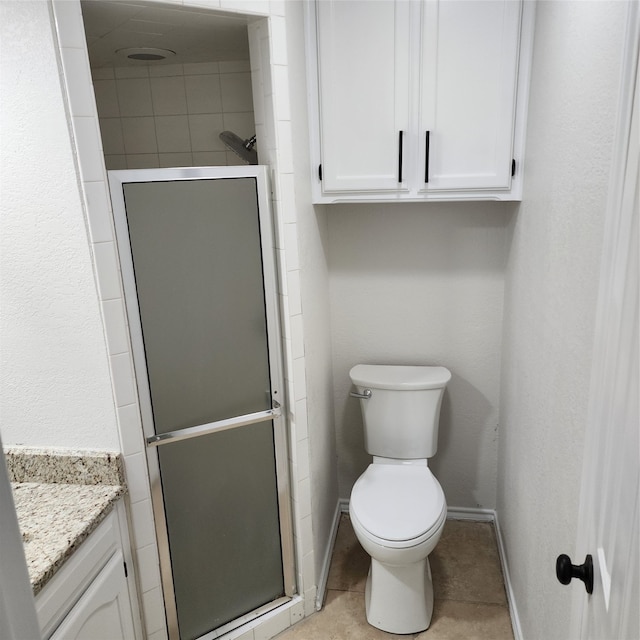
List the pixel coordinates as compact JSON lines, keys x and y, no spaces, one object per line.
{"x":195,"y":35}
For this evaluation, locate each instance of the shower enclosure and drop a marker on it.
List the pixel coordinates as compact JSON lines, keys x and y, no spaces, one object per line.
{"x":197,"y":261}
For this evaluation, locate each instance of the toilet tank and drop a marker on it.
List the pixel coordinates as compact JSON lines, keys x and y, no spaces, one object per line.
{"x":401,"y":415}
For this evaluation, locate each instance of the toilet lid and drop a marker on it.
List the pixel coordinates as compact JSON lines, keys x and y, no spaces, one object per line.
{"x":397,"y":502}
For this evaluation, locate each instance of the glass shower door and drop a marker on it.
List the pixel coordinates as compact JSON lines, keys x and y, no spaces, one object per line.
{"x":201,"y":303}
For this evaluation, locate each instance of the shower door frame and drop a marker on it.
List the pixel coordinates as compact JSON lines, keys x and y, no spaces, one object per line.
{"x":117,"y":179}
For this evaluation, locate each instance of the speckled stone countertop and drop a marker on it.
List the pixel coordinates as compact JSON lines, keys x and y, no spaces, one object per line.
{"x":60,"y":496}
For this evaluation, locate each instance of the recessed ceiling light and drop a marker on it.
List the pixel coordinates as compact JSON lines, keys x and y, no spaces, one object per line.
{"x":146,"y":54}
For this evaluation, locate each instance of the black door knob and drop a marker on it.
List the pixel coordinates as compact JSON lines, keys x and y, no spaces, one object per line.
{"x":565,"y":571}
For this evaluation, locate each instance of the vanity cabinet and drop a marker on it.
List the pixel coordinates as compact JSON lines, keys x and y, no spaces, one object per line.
{"x":92,"y":596}
{"x":421,"y":100}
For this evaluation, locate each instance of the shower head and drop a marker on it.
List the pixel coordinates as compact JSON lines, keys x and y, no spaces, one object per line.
{"x":242,"y":148}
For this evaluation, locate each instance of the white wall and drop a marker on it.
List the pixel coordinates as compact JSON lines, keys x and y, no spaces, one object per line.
{"x":314,"y":285}
{"x":551,"y":291}
{"x":55,"y":387}
{"x":423,"y":284}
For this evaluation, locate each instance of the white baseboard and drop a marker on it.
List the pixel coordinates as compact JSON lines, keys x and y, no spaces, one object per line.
{"x":511,"y":597}
{"x":326,"y":561}
{"x":465,"y":513}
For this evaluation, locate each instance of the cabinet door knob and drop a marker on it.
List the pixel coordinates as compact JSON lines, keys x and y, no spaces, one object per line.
{"x":565,"y":571}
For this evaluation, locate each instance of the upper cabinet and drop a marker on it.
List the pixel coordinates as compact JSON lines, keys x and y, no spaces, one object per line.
{"x":418,"y":100}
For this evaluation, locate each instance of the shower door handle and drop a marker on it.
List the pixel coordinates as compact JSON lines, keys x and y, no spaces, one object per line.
{"x":211,"y":427}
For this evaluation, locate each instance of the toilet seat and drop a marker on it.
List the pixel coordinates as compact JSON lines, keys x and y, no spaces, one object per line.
{"x":398,"y":506}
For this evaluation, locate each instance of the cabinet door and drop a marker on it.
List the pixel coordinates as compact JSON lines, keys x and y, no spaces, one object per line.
{"x":104,"y":610}
{"x":363,"y":69}
{"x":468,"y":93}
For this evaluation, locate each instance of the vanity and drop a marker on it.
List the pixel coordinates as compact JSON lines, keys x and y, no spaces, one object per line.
{"x":73,"y":522}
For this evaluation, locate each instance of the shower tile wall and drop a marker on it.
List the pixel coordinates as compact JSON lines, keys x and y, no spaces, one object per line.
{"x":172,"y":115}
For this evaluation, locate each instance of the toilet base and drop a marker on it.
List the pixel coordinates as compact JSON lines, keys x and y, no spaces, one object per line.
{"x":399,"y":598}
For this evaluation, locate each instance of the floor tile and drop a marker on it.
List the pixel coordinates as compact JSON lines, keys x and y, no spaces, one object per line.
{"x":470,"y":600}
{"x":454,"y":620}
{"x":350,"y":562}
{"x":465,"y":564}
{"x":341,"y":618}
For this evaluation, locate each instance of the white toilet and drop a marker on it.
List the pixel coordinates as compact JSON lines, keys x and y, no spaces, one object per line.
{"x":397,"y":507}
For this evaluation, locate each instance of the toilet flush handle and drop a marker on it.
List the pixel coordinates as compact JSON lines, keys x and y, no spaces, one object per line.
{"x":365,"y":395}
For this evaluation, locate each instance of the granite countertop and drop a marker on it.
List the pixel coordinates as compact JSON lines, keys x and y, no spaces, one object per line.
{"x":61,"y":496}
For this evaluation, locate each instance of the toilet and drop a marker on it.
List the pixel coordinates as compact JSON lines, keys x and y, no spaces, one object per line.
{"x":397,"y":506}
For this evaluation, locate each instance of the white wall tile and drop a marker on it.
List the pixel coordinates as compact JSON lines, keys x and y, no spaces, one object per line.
{"x":299,"y":378}
{"x":69,"y":23}
{"x":153,"y":606}
{"x":205,"y":130}
{"x":115,"y":326}
{"x":209,"y":158}
{"x":291,"y":246}
{"x":148,"y":568}
{"x":164,"y":70}
{"x":302,"y":459}
{"x":143,"y":525}
{"x":280,"y":76}
{"x":304,"y":533}
{"x":172,"y":133}
{"x":278,"y":40}
{"x":78,"y":79}
{"x":176,"y":159}
{"x":139,"y":135}
{"x":197,"y":68}
{"x":272,"y":624}
{"x":115,"y":162}
{"x":303,"y":498}
{"x":98,"y":211}
{"x":143,"y":161}
{"x":285,"y":147}
{"x":124,"y":388}
{"x":293,"y":292}
{"x":203,"y":93}
{"x":236,"y":92}
{"x":108,"y":275}
{"x":310,"y":601}
{"x":260,"y":7}
{"x":296,"y":612}
{"x":134,"y":97}
{"x":240,"y":634}
{"x":286,"y":198}
{"x":235,"y":66}
{"x":135,"y":467}
{"x":103,"y":73}
{"x":302,"y":430}
{"x":134,"y":71}
{"x":111,"y":135}
{"x":297,"y":337}
{"x":89,"y":148}
{"x":168,"y":96}
{"x":106,"y":98}
{"x":240,"y":123}
{"x":130,"y":429}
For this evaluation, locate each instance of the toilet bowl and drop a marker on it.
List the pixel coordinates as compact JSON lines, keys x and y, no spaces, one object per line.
{"x":397,"y":506}
{"x":398,"y":513}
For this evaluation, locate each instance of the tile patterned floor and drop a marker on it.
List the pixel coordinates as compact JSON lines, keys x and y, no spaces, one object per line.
{"x":470,"y":600}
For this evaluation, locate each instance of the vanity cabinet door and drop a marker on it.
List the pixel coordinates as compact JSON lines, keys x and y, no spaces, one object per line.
{"x":363,"y":98}
{"x":469,"y":72}
{"x":104,"y":610}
